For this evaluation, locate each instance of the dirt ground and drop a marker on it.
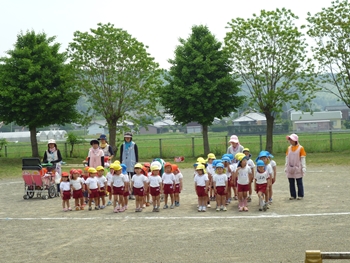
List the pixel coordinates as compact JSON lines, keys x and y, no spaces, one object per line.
{"x":37,"y":230}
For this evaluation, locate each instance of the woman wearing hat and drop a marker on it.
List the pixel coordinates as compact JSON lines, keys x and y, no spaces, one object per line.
{"x":295,"y":166}
{"x":95,"y":155}
{"x":53,"y":155}
{"x":129,"y":154}
{"x":105,"y":147}
{"x":235,"y":146}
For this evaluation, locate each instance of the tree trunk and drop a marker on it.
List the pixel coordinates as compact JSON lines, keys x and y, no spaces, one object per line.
{"x":205,"y":139}
{"x":34,"y":142}
{"x":112,"y":128}
{"x":269,"y":132}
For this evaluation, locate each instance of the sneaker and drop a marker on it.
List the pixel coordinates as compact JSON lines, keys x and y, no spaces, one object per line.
{"x":177,"y":204}
{"x":109,"y":203}
{"x":64,"y":209}
{"x":240,"y":209}
{"x":260,"y":209}
{"x":249,"y":198}
{"x":90,"y":208}
{"x":136,"y":209}
{"x":224,"y":209}
{"x":69,"y":209}
{"x":97,"y":208}
{"x":199,"y":209}
{"x":165,"y":206}
{"x":121,"y":209}
{"x":77,"y":208}
{"x":157,"y":209}
{"x":125,"y":207}
{"x":203,"y":209}
{"x":208,"y":205}
{"x":227,"y":203}
{"x":300,"y":198}
{"x":265,"y":207}
{"x":221,"y":207}
{"x":154,"y":209}
{"x":235,"y":197}
{"x":292,"y":198}
{"x":229,"y":200}
{"x":245,"y":209}
{"x":82,"y":207}
{"x":102,"y":207}
{"x":144,"y":206}
{"x":172,"y":206}
{"x":270,"y":200}
{"x":217,"y":209}
{"x":140,"y":209}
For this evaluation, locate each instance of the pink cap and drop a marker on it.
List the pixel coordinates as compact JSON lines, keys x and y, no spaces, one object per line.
{"x":234,"y":139}
{"x":293,"y":137}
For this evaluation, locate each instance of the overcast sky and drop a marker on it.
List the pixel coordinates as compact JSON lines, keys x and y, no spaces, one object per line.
{"x":156,"y":23}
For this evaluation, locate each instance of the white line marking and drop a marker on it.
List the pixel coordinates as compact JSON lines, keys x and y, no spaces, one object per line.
{"x":175,"y":217}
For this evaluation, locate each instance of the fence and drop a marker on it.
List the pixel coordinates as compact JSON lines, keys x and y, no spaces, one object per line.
{"x":192,"y":146}
{"x":316,"y":256}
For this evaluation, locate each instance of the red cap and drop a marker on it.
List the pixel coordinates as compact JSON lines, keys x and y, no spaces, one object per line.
{"x":65,"y":174}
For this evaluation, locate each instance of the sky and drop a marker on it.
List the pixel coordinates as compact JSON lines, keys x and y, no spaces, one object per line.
{"x":158,"y":24}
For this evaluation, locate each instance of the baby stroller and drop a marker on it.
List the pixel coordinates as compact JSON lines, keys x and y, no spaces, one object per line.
{"x":37,"y":180}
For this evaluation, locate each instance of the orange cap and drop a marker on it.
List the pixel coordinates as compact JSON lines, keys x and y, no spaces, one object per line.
{"x":174,"y":167}
{"x":86,"y":168}
{"x":65,"y":174}
{"x":167,"y":164}
{"x":80,"y":171}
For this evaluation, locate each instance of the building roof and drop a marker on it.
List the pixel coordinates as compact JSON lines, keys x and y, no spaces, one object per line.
{"x":253,"y":116}
{"x":103,"y":123}
{"x":312,"y":121}
{"x":337,"y":107}
{"x":322,"y":115}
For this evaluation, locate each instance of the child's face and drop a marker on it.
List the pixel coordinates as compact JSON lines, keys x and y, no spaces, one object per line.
{"x":118,"y":172}
{"x":246,"y":153}
{"x":95,"y":146}
{"x":167,"y":169}
{"x":200,"y":171}
{"x":264,"y":159}
{"x":219,"y":170}
{"x":155,"y":172}
{"x":210,"y":161}
{"x":176,"y":172}
{"x":86,"y":173}
{"x":76,"y":175}
{"x":243,"y":162}
{"x":261,"y":169}
{"x":137,"y":171}
{"x":64,"y":178}
{"x":100,"y":173}
{"x":92,"y":175}
{"x":225,"y":164}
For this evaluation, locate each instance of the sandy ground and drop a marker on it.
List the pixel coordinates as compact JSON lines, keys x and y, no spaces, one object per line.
{"x":37,"y":230}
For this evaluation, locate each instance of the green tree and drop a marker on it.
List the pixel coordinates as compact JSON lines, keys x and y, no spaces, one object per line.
{"x":73,"y":139}
{"x":117,"y":74}
{"x":36,"y":87}
{"x":330,"y":29}
{"x":200,"y":86}
{"x":3,"y":142}
{"x":269,"y":53}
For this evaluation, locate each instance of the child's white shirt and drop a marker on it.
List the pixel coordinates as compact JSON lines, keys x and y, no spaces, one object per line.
{"x":269,"y":169}
{"x":178,"y":176}
{"x":65,"y":186}
{"x":220,"y":179}
{"x":273,"y":163}
{"x":250,"y":163}
{"x":243,"y":175}
{"x":201,"y":180}
{"x":109,"y":178}
{"x":138,"y":180}
{"x":126,"y":178}
{"x":168,"y":178}
{"x":261,"y":178}
{"x":101,"y":181}
{"x":118,"y":180}
{"x":77,"y":184}
{"x":155,"y":181}
{"x":92,"y":182}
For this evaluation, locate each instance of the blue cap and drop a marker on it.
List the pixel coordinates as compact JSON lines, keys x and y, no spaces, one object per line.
{"x":195,"y":164}
{"x":260,"y":163}
{"x":230,"y":155}
{"x":102,"y":137}
{"x":123,"y":168}
{"x":263,"y":154}
{"x":220,"y":165}
{"x":226,"y":159}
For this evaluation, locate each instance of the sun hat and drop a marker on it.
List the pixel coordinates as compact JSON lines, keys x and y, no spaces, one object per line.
{"x":86,"y":168}
{"x":102,"y":137}
{"x":123,"y":166}
{"x":200,"y":167}
{"x":263,"y":154}
{"x":80,"y":171}
{"x":234,"y":139}
{"x":292,"y":137}
{"x":211,"y":156}
{"x":246,"y":150}
{"x":154,"y":168}
{"x":225,"y":159}
{"x":138,"y":165}
{"x":128,"y":135}
{"x":92,"y":170}
{"x":73,"y":171}
{"x":174,"y":167}
{"x":94,"y":142}
{"x":65,"y":174}
{"x":100,"y":168}
{"x":219,"y":165}
{"x":51,"y":141}
{"x":201,"y":160}
{"x":239,"y":156}
{"x":260,"y":163}
{"x":147,"y":165}
{"x":116,"y":162}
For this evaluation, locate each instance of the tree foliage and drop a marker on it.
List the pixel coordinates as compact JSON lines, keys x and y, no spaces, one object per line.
{"x":330,"y":29}
{"x":73,"y":139}
{"x":269,"y":53}
{"x":117,"y":75}
{"x":36,"y":85}
{"x":200,"y":86}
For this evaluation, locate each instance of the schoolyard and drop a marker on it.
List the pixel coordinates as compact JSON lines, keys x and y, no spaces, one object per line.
{"x":37,"y":230}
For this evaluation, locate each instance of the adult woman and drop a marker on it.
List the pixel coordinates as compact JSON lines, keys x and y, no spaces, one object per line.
{"x":105,"y":147}
{"x":129,"y":155}
{"x":295,"y":166}
{"x":95,"y":155}
{"x":53,"y":155}
{"x":235,"y":146}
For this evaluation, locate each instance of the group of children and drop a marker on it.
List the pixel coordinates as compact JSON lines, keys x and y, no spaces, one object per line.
{"x":217,"y":179}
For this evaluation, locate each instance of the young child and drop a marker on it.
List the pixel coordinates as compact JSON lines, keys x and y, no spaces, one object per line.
{"x":274,"y":169}
{"x":76,"y":184}
{"x":102,"y":181}
{"x":211,"y":172}
{"x":264,"y":156}
{"x":251,"y":164}
{"x":57,"y":180}
{"x":95,"y":155}
{"x":146,"y":171}
{"x":244,"y":176}
{"x":118,"y":188}
{"x":138,"y":184}
{"x":65,"y":192}
{"x":226,"y":162}
{"x":85,"y":176}
{"x":178,"y":183}
{"x":156,"y":187}
{"x":127,"y":186}
{"x":109,"y":178}
{"x":262,"y":180}
{"x":220,"y":182}
{"x":201,"y":184}
{"x":92,"y":187}
{"x":168,"y":185}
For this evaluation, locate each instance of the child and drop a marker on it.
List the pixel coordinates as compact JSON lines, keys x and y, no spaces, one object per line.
{"x":138,"y":184}
{"x":65,"y":191}
{"x":178,"y":183}
{"x":76,"y":185}
{"x":127,"y":186}
{"x":146,"y":171}
{"x":156,"y":187}
{"x":95,"y":155}
{"x":244,"y":176}
{"x":226,"y":162}
{"x":92,"y":187}
{"x":274,"y":169}
{"x":211,"y":172}
{"x":251,"y":164}
{"x":109,"y":178}
{"x":168,"y":185}
{"x":85,"y":176}
{"x":262,"y":180}
{"x":220,"y":182}
{"x":57,"y":180}
{"x":103,"y":186}
{"x":264,"y":156}
{"x":118,"y":188}
{"x":201,"y":184}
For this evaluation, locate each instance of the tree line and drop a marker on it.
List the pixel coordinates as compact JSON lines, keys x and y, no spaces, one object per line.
{"x":268,"y":53}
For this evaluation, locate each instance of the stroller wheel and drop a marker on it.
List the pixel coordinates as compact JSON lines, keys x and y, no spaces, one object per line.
{"x":26,"y":197}
{"x":52,"y":191}
{"x":30,"y":194}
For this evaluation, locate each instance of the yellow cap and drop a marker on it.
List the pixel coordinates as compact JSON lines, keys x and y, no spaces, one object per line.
{"x":201,"y":160}
{"x":116,"y":162}
{"x":211,"y":156}
{"x":155,"y":167}
{"x":246,"y":150}
{"x":92,"y":170}
{"x":200,"y":167}
{"x":239,"y":156}
{"x":115,"y":167}
{"x":100,"y":168}
{"x":138,"y":165}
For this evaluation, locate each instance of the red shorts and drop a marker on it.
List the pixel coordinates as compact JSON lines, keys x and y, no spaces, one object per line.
{"x":168,"y":189}
{"x":126,"y":194}
{"x":138,"y":191}
{"x":94,"y":193}
{"x":243,"y":187}
{"x":201,"y":191}
{"x":155,"y":191}
{"x":66,"y":195}
{"x":118,"y":190}
{"x":221,"y":190}
{"x":177,"y":189}
{"x":102,"y":192}
{"x":78,"y":194}
{"x":109,"y":189}
{"x":261,"y":188}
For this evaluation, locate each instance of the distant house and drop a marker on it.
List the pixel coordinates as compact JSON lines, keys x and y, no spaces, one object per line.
{"x":100,"y":127}
{"x":151,"y":129}
{"x":343,"y":108}
{"x":318,"y":121}
{"x":193,"y":127}
{"x":252,"y":118}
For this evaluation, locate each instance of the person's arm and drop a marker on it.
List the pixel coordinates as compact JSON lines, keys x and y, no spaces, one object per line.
{"x":136,"y":153}
{"x":180,"y":184}
{"x":45,"y":157}
{"x":111,"y":153}
{"x":274,"y":173}
{"x":121,"y":153}
{"x":88,"y":161}
{"x":226,"y":186}
{"x":206,"y":186}
{"x":102,"y":161}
